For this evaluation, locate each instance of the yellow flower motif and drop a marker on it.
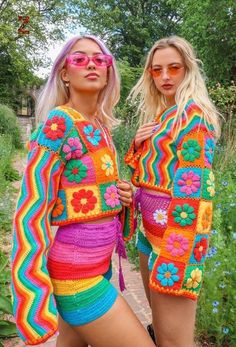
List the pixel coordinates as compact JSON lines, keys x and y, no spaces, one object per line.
{"x":107,"y":165}
{"x":211,"y":184}
{"x":194,"y":281}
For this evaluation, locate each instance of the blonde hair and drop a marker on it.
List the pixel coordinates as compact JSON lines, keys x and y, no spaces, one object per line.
{"x":152,"y":102}
{"x":55,"y":93}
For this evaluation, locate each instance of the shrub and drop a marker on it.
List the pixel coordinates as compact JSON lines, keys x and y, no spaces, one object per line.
{"x":9,"y":125}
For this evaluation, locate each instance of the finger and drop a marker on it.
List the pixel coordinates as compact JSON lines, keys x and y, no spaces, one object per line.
{"x":124,"y":186}
{"x":126,"y":202}
{"x":125,"y":194}
{"x":148,"y":125}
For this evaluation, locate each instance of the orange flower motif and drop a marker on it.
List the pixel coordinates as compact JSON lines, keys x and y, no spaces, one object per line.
{"x":58,"y":209}
{"x":206,"y":218}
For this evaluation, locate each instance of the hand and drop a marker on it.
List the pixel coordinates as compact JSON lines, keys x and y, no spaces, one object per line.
{"x":143,"y":133}
{"x":125,"y":192}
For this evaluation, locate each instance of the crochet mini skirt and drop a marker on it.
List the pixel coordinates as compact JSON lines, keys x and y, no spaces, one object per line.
{"x":169,"y":275}
{"x":79,"y":266}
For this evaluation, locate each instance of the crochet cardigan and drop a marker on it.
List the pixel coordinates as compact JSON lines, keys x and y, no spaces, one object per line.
{"x":70,"y":177}
{"x":181,"y":167}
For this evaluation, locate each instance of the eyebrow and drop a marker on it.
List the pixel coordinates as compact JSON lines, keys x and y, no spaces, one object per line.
{"x":82,"y":52}
{"x":174,"y":63}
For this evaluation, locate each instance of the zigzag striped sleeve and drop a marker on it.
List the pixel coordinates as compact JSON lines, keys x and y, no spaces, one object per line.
{"x":33,"y":302}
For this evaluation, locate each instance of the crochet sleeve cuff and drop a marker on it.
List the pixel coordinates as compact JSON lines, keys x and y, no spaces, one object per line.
{"x":33,"y":302}
{"x":179,"y":267}
{"x":132,"y":156}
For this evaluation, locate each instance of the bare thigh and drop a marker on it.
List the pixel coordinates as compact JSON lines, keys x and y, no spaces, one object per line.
{"x":143,"y":263}
{"x":68,"y":337}
{"x":173,"y":320}
{"x":118,"y":327}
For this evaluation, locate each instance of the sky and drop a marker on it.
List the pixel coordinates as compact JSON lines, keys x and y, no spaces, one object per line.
{"x":52,"y":53}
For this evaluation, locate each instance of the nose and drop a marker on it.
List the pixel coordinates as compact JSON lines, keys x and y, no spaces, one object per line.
{"x":165,"y":74}
{"x":91,"y":64}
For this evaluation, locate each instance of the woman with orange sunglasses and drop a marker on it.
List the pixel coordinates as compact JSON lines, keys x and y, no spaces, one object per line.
{"x":171,"y":158}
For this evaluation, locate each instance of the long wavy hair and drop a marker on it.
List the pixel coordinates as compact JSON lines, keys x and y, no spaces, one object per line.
{"x":151,"y":102}
{"x":55,"y":92}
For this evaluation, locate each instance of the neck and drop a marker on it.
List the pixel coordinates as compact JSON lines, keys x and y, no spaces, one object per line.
{"x":84,"y":104}
{"x":170,"y":101}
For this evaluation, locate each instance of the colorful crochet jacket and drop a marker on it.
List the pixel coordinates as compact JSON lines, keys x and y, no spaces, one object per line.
{"x":181,"y":167}
{"x":70,"y":177}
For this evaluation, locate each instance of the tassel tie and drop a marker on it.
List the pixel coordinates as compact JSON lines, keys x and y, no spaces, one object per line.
{"x":120,"y":249}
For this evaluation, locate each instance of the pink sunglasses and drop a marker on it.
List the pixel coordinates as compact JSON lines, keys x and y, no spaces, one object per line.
{"x":81,"y":60}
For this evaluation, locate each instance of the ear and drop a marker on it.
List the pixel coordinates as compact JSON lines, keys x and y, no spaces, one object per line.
{"x":64,"y":75}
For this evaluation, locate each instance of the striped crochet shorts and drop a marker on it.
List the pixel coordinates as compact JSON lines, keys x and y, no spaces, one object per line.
{"x":79,"y":264}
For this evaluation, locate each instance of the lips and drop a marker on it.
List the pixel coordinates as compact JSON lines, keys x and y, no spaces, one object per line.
{"x":92,"y":75}
{"x":167,"y":86}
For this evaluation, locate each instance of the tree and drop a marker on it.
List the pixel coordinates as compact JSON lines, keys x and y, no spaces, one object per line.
{"x":130,"y":27}
{"x":211,"y":26}
{"x":21,"y":54}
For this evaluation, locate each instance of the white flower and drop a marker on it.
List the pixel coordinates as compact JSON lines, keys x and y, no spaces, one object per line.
{"x":160,"y":216}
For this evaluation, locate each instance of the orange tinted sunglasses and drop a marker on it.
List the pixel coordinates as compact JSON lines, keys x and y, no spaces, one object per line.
{"x":171,"y":70}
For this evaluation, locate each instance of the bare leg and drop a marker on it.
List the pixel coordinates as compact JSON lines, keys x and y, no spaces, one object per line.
{"x":173,"y":320}
{"x":68,"y":337}
{"x":143,"y":263}
{"x":118,"y":327}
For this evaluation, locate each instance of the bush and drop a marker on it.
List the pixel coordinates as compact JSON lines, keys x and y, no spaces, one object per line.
{"x":9,"y":125}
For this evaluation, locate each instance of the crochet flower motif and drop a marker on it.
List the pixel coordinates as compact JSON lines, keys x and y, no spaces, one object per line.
{"x":184,"y":215}
{"x":55,"y":128}
{"x":189,"y":182}
{"x":206,"y":218}
{"x":107,"y":165}
{"x":93,"y":136}
{"x":75,"y":171}
{"x":200,"y":249}
{"x":167,"y":274}
{"x":211,"y":184}
{"x":160,"y":216}
{"x":58,"y":208}
{"x":84,"y":201}
{"x":177,"y":245}
{"x":209,"y":150}
{"x":191,"y":150}
{"x":111,"y":196}
{"x":194,"y":281}
{"x":73,"y":149}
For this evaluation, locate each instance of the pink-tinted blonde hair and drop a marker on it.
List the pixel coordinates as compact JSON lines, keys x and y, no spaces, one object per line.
{"x":55,"y":92}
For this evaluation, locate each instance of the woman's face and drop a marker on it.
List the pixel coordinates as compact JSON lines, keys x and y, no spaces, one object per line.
{"x":168,"y":72}
{"x":90,"y":77}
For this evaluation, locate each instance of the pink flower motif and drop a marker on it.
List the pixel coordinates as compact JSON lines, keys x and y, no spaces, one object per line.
{"x":177,"y":245}
{"x":73,"y":149}
{"x":190,"y":182}
{"x":111,"y":196}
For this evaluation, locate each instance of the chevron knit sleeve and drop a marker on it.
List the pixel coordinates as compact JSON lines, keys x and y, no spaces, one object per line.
{"x":33,"y":302}
{"x":179,"y":268}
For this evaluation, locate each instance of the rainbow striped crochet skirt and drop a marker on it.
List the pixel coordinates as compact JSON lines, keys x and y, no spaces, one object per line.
{"x":79,"y":267}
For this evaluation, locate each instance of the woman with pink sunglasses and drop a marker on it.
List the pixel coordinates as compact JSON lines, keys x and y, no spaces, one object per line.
{"x":72,"y":181}
{"x":171,"y":159}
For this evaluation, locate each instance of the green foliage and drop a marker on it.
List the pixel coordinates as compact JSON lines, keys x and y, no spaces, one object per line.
{"x":7,"y":329}
{"x":129,"y":76}
{"x":9,"y":126}
{"x":21,"y":55}
{"x":129,"y":26}
{"x":217,"y":299}
{"x":210,"y":26}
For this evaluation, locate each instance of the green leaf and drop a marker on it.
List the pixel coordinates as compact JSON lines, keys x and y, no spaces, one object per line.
{"x":5,"y":305}
{"x":7,"y":329}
